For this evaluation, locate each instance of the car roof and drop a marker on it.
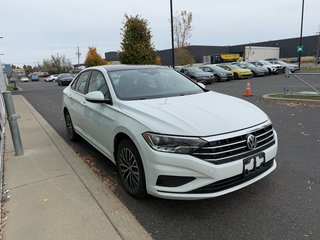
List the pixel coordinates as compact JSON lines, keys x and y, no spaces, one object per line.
{"x":128,"y":67}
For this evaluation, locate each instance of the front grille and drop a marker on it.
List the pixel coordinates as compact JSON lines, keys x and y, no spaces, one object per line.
{"x":235,"y":148}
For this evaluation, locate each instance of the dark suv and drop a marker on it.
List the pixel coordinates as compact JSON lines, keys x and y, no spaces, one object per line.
{"x":198,"y":75}
{"x":219,"y":73}
{"x":64,"y":79}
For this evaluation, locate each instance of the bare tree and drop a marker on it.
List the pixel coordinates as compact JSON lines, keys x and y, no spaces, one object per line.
{"x":182,"y":28}
{"x":182,"y":33}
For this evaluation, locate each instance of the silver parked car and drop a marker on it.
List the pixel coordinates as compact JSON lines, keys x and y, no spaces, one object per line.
{"x":219,"y":73}
{"x":290,"y":66}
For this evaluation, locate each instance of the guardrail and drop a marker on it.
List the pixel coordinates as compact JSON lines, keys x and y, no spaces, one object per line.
{"x":288,"y":74}
{"x":2,"y":132}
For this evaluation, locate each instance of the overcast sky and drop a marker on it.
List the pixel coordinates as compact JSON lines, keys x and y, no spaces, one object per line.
{"x":33,"y":30}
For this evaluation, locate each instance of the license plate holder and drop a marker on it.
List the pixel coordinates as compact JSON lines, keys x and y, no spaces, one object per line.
{"x":253,"y":163}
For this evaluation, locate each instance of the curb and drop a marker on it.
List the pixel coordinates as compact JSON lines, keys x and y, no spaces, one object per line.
{"x":116,"y":212}
{"x":292,"y":100}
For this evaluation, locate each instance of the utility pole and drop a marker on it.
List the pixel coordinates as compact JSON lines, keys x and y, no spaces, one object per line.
{"x":300,"y":41}
{"x":172,"y":37}
{"x":78,"y":53}
{"x":318,"y":48}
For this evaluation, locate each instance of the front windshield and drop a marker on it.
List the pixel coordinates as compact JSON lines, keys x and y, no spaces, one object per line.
{"x":216,"y":68}
{"x":195,"y":70}
{"x":149,"y":83}
{"x":233,"y":66}
{"x":251,"y":65}
{"x":65,"y":75}
{"x":265,"y":62}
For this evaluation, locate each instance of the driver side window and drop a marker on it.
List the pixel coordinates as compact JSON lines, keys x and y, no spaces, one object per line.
{"x":80,"y":83}
{"x":98,"y":83}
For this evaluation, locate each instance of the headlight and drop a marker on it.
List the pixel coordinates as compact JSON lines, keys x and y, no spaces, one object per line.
{"x":173,"y":144}
{"x":223,"y":74}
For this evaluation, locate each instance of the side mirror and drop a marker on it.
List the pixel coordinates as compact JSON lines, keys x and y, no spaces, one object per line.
{"x":97,"y":97}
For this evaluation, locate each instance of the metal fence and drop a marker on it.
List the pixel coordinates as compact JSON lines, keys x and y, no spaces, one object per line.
{"x":299,"y":77}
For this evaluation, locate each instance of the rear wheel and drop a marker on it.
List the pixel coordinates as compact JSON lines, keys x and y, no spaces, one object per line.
{"x":73,"y":136}
{"x":130,"y":169}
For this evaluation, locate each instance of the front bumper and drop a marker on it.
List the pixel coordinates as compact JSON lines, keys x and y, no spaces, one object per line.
{"x":245,"y":75}
{"x":194,"y":178}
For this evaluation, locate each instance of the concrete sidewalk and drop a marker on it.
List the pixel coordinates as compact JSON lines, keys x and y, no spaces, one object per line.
{"x":54,"y":195}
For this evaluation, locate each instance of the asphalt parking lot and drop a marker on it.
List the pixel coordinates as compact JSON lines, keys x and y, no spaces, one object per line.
{"x":284,"y":205}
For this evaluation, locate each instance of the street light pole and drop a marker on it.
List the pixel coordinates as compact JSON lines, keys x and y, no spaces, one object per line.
{"x":172,"y":37}
{"x":300,"y":41}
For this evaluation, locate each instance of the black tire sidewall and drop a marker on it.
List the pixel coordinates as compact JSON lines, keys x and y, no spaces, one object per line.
{"x":73,"y":136}
{"x":140,"y":191}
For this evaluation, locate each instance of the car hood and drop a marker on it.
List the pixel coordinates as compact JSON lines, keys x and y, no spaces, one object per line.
{"x":204,"y":74}
{"x":204,"y":114}
{"x":242,"y":70}
{"x":292,"y":65}
{"x":223,"y":71}
{"x":66,"y":78}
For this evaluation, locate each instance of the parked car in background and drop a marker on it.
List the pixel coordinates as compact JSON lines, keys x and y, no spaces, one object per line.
{"x":272,"y":68}
{"x":284,"y":65}
{"x":257,"y":71}
{"x":198,"y":75}
{"x":238,"y":73}
{"x":178,"y":68}
{"x":64,"y":79}
{"x":52,"y":78}
{"x":74,"y":72}
{"x":24,"y":79}
{"x":220,"y":73}
{"x":34,"y":77}
{"x":168,"y":136}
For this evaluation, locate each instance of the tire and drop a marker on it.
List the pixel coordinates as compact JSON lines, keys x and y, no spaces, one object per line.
{"x":236,"y":76}
{"x":254,"y":74}
{"x":73,"y":136}
{"x":130,"y":169}
{"x":59,"y":84}
{"x":269,"y":71}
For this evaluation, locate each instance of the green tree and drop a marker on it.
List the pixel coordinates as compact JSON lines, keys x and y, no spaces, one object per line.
{"x":93,"y":58}
{"x":136,"y":46}
{"x":56,"y":64}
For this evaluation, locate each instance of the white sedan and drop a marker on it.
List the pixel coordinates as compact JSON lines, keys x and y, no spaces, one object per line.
{"x":24,"y":79}
{"x":168,"y":136}
{"x":52,"y":78}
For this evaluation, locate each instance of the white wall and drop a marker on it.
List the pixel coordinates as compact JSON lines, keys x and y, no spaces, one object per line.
{"x":253,"y":53}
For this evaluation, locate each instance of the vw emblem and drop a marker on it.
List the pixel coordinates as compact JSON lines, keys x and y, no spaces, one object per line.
{"x":251,"y":141}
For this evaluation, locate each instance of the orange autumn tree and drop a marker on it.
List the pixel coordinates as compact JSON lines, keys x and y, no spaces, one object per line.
{"x":93,"y":58}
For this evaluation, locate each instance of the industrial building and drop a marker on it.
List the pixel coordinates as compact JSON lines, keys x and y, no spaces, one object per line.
{"x":288,"y":49}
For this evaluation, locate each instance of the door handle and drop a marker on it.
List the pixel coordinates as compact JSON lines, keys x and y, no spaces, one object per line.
{"x":83,"y":103}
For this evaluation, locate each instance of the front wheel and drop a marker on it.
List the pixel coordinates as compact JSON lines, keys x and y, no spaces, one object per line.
{"x":130,"y":169}
{"x":236,"y":76}
{"x":73,"y":136}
